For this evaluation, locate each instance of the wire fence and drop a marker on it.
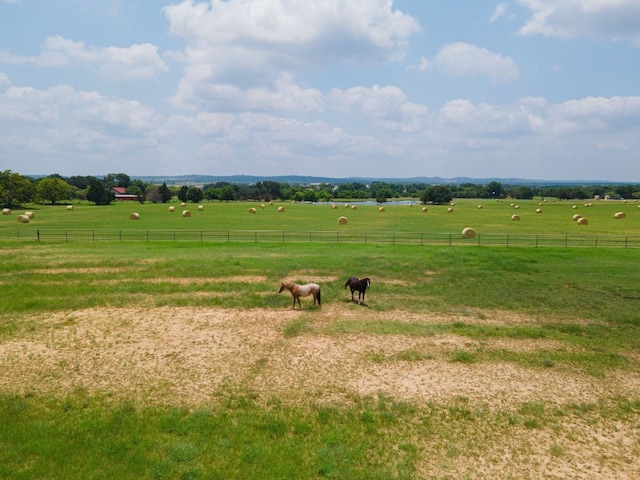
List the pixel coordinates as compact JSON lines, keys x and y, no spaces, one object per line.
{"x":282,"y":236}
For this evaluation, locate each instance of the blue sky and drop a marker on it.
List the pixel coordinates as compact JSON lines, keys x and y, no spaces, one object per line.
{"x":536,"y":89}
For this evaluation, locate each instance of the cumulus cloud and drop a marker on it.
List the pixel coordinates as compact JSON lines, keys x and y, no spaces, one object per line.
{"x":134,"y":62}
{"x":500,"y":10}
{"x":601,"y":19}
{"x":250,"y":45}
{"x":462,"y":59}
{"x":386,"y":107}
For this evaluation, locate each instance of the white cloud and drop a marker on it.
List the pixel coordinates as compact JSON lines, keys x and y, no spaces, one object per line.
{"x":601,"y":19}
{"x":386,"y":107}
{"x":500,"y":10}
{"x":112,"y":63}
{"x":253,"y":44}
{"x":462,"y":59}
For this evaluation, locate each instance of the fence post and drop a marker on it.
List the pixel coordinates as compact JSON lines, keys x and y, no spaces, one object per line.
{"x":507,"y":239}
{"x":596,"y":241}
{"x":37,"y":235}
{"x":450,"y":238}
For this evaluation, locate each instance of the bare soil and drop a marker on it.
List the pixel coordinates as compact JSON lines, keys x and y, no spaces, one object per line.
{"x":187,"y":356}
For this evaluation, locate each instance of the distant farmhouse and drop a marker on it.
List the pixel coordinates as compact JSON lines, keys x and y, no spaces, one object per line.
{"x":121,"y":195}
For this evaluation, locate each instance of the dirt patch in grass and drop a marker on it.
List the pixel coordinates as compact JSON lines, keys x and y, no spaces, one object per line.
{"x":171,"y":355}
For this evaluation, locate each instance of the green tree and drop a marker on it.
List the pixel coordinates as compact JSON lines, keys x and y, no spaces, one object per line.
{"x":117,"y":180}
{"x":182,"y":193}
{"x":436,"y":194}
{"x":227,"y":193}
{"x":52,"y":189}
{"x":15,"y":189}
{"x":195,"y":194}
{"x":99,"y":193}
{"x":165,"y":193}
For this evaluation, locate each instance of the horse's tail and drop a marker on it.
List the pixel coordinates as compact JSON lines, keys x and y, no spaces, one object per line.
{"x":319,"y":302}
{"x":347,"y":284}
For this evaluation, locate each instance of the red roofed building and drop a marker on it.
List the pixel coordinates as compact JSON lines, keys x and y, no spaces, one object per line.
{"x":121,"y":195}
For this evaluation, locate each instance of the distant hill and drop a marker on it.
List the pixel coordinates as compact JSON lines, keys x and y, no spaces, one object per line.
{"x":308,"y":180}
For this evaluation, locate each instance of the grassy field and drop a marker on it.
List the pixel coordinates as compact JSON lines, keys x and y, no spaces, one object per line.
{"x":180,"y":359}
{"x":493,"y":217}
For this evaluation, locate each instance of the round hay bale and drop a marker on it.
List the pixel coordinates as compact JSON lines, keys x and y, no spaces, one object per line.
{"x":469,"y":233}
{"x":381,"y":209}
{"x":449,"y":209}
{"x":29,"y":214}
{"x":425,"y":209}
{"x":512,"y":205}
{"x":252,"y":210}
{"x":538,"y":210}
{"x":576,"y":217}
{"x":574,"y":207}
{"x":172,"y":208}
{"x":515,"y":218}
{"x":281,"y":209}
{"x":480,"y":206}
{"x":183,"y":204}
{"x":23,"y":219}
{"x":262,"y":206}
{"x":134,"y":216}
{"x":346,"y":205}
{"x":69,"y":207}
{"x":6,"y":211}
{"x":186,"y":213}
{"x":354,"y":207}
{"x":583,"y":221}
{"x":540,"y":204}
{"x":200,"y":208}
{"x":270,"y":203}
{"x":334,"y":206}
{"x":619,"y":215}
{"x":411,"y":205}
{"x":343,"y":221}
{"x":453,"y":204}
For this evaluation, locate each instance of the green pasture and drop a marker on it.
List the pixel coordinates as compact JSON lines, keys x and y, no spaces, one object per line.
{"x":495,"y":217}
{"x":587,"y":300}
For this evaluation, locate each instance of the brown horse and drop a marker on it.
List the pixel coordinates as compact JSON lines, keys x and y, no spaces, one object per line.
{"x":358,"y":284}
{"x":302,"y":291}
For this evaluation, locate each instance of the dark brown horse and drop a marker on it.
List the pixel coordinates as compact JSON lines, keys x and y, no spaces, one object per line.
{"x":301,"y":291}
{"x":361,"y":285}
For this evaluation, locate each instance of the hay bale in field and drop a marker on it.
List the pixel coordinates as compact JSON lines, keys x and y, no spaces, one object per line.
{"x":538,"y":210}
{"x":69,"y":207}
{"x":183,"y":204}
{"x":186,"y":213}
{"x":346,"y":205}
{"x":453,"y":204}
{"x":334,"y":206}
{"x":354,"y":207}
{"x":23,"y":219}
{"x":449,"y":209}
{"x":381,"y":209}
{"x":480,"y":206}
{"x":583,"y":221}
{"x":343,"y":221}
{"x":469,"y":233}
{"x":262,"y":206}
{"x":6,"y":211}
{"x":540,"y":204}
{"x":574,"y":207}
{"x":515,"y":218}
{"x":200,"y":208}
{"x":270,"y":203}
{"x":134,"y":216}
{"x":425,"y":209}
{"x":252,"y":210}
{"x":29,"y":214}
{"x":576,"y":217}
{"x":516,"y":207}
{"x":281,"y":209}
{"x":172,"y":208}
{"x":619,"y":215}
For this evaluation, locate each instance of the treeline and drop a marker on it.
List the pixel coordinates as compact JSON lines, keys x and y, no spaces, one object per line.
{"x":16,"y":189}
